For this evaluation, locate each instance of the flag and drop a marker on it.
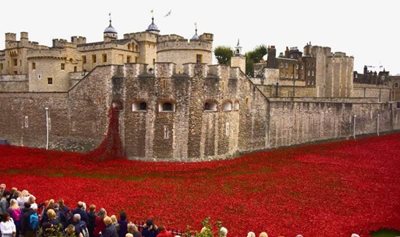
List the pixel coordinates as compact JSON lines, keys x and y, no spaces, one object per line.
{"x":169,"y":13}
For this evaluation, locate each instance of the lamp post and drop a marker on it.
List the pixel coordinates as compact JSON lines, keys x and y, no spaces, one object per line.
{"x":294,"y":82}
{"x":47,"y":128}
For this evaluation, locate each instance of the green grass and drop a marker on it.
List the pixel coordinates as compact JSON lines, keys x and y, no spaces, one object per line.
{"x":386,"y":233}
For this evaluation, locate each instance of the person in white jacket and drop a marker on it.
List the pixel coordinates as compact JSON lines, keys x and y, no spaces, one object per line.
{"x":7,"y":226}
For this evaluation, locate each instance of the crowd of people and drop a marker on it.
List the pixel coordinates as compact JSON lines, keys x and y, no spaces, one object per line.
{"x":21,"y":216}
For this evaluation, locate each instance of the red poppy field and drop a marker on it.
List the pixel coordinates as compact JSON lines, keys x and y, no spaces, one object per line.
{"x":331,"y":189}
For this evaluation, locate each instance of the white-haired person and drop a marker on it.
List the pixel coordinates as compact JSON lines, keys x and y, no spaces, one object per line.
{"x":251,"y":234}
{"x":354,"y":235}
{"x":223,"y":232}
{"x":80,"y":225}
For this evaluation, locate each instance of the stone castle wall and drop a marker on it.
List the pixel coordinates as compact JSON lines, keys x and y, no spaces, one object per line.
{"x":381,"y":92}
{"x":239,"y":117}
{"x":308,"y":120}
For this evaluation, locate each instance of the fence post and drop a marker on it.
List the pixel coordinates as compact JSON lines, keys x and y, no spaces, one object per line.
{"x":377,"y":124}
{"x":354,"y":126}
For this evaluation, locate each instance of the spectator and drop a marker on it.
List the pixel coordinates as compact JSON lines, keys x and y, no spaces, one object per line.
{"x":22,"y":198}
{"x":114,"y":221}
{"x":7,"y":226}
{"x":64,"y":213}
{"x":224,"y":232}
{"x":149,"y":229}
{"x":99,"y":225}
{"x":123,"y":225}
{"x":32,"y":201}
{"x":13,"y":194}
{"x":162,"y":232}
{"x":110,"y":230}
{"x":354,"y":235}
{"x":80,"y":209}
{"x":80,"y":225}
{"x":15,"y":213}
{"x":70,"y":231}
{"x":263,"y":234}
{"x":91,"y":219}
{"x":251,"y":234}
{"x":52,"y":227}
{"x":4,"y":194}
{"x":26,"y":229}
{"x":132,"y":229}
{"x":48,"y":206}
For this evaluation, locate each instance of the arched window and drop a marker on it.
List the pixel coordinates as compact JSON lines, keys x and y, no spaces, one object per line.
{"x":227,"y":106}
{"x":139,"y":106}
{"x":210,"y":106}
{"x":396,"y":85}
{"x":166,"y":107}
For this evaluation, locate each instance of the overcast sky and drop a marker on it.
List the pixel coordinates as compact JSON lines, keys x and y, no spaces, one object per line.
{"x":369,"y":30}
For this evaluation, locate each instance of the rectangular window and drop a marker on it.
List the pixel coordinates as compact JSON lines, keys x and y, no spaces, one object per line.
{"x":1,"y":66}
{"x":63,"y":66}
{"x":166,"y":132}
{"x":136,"y":59}
{"x":26,"y":122}
{"x":49,"y":80}
{"x":128,"y":59}
{"x":94,"y":58}
{"x":33,"y":66}
{"x":75,"y":69}
{"x":83,"y":59}
{"x":104,"y":58}
{"x":154,"y":61}
{"x":199,"y":58}
{"x":15,"y":62}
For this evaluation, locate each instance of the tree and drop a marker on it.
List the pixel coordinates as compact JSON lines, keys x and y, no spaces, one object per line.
{"x":254,"y":56}
{"x":223,"y":54}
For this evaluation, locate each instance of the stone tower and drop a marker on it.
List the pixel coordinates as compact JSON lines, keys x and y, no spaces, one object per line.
{"x":110,"y":33}
{"x":238,"y":60}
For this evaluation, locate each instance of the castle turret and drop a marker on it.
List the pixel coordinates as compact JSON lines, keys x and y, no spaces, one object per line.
{"x":238,"y":60}
{"x":153,"y":27}
{"x":195,"y":36}
{"x":110,"y":33}
{"x":271,"y":58}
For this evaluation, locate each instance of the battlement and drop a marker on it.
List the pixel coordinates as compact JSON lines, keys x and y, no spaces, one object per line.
{"x":62,"y":43}
{"x":142,"y":36}
{"x":47,"y":53}
{"x":10,"y":37}
{"x":78,"y":40}
{"x":168,"y":70}
{"x":340,"y":55}
{"x":171,"y":37}
{"x":184,"y":45}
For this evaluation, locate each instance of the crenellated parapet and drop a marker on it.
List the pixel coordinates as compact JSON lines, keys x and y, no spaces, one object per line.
{"x":184,"y":44}
{"x":49,"y":53}
{"x":63,"y":43}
